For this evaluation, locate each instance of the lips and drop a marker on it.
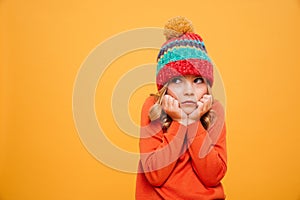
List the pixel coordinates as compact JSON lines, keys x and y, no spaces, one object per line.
{"x":189,"y":103}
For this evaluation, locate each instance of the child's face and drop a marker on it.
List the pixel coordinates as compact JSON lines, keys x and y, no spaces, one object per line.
{"x":187,"y":90}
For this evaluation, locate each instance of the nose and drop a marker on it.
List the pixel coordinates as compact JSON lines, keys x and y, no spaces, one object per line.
{"x":189,"y":89}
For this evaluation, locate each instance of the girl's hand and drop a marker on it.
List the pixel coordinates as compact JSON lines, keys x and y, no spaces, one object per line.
{"x":171,"y":107}
{"x":204,"y":105}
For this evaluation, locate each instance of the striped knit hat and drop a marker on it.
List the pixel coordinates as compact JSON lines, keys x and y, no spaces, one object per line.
{"x":183,"y":53}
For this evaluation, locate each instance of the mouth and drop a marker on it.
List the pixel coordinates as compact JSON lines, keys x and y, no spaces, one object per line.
{"x":189,"y":103}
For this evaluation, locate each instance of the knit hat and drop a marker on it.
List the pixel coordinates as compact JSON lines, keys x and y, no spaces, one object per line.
{"x":183,"y":53}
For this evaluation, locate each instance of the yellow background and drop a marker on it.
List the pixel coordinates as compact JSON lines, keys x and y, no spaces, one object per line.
{"x":255,"y":44}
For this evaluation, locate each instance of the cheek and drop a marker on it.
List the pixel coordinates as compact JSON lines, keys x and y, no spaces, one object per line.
{"x":201,"y":91}
{"x":174,"y":92}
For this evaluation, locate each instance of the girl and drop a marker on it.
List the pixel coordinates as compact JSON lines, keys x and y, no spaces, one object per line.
{"x":182,"y":142}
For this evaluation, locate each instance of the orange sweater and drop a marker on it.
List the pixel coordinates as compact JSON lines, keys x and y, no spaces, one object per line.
{"x":184,"y":162}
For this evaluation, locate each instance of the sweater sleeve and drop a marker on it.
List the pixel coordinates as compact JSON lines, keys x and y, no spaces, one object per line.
{"x":208,"y":149}
{"x":158,"y":150}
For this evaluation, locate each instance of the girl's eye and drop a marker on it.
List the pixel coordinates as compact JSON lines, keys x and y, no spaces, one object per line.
{"x":176,"y":80}
{"x":198,"y":80}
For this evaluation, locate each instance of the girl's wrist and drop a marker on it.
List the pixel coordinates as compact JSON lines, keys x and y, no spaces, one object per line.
{"x":190,"y":121}
{"x":182,"y":121}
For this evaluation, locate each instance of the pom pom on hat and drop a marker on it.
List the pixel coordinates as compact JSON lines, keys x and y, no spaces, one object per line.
{"x":183,"y":53}
{"x":177,"y":27}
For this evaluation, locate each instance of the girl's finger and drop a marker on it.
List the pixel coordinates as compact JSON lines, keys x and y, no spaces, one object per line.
{"x":203,"y":99}
{"x":170,"y":102}
{"x":176,"y":104}
{"x":207,"y":104}
{"x":200,"y":105}
{"x":165,"y":102}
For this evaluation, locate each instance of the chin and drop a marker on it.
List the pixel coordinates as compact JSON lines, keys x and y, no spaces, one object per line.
{"x":188,"y":110}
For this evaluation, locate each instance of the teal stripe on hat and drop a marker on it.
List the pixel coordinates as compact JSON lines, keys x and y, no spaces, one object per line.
{"x":181,"y":53}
